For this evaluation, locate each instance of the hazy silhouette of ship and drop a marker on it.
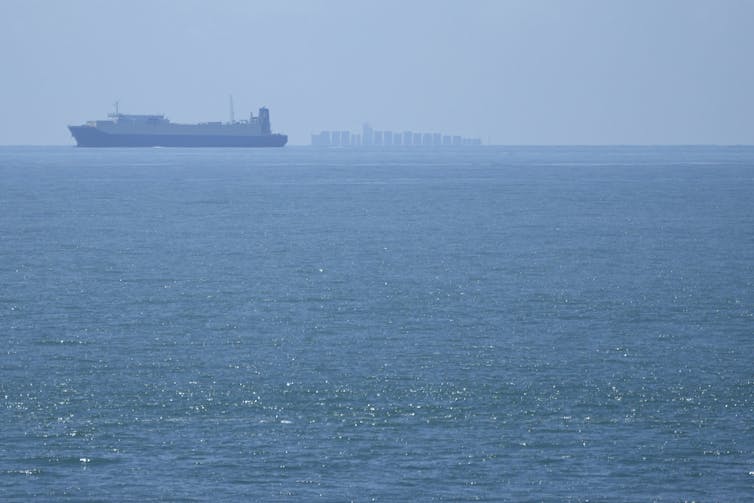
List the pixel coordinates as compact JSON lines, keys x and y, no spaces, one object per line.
{"x":370,"y":137}
{"x":125,"y":130}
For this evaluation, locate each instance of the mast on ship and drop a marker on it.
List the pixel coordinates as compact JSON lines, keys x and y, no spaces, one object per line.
{"x":116,"y":114}
{"x":232,"y":110}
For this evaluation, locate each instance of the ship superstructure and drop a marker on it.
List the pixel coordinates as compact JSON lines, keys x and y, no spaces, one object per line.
{"x":127,"y":130}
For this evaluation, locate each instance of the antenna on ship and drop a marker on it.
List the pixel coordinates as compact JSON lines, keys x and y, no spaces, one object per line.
{"x":232,"y":111}
{"x":115,"y":115}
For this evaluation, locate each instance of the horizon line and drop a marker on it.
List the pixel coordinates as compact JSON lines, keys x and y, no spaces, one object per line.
{"x":414,"y":147}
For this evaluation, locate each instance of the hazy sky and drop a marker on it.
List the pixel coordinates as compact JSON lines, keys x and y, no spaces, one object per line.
{"x":513,"y":72}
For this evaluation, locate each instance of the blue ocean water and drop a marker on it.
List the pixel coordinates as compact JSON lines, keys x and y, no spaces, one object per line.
{"x":500,"y":324}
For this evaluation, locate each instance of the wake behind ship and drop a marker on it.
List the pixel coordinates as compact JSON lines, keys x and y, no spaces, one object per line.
{"x":124,"y":130}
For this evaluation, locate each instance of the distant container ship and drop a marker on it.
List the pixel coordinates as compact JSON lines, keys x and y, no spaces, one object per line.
{"x":371,"y":137}
{"x":125,"y":130}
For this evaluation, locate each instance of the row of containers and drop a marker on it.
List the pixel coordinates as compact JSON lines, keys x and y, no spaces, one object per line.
{"x":370,"y":137}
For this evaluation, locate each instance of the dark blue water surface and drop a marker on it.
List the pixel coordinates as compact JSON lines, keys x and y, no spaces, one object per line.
{"x":297,"y":324}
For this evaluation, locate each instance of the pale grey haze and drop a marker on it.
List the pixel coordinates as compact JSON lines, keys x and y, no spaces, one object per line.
{"x":510,"y":72}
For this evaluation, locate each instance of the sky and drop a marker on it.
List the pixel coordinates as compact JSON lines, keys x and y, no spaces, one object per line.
{"x":511,"y":72}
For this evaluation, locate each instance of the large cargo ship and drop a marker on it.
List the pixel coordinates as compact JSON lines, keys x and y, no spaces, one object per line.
{"x":124,"y":130}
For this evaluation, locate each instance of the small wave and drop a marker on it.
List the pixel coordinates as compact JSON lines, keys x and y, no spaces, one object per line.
{"x":32,"y":471}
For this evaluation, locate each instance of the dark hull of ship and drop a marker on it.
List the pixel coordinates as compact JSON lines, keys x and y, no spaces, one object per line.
{"x":87,"y":136}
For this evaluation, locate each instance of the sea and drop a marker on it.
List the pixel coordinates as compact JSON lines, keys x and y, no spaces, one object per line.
{"x":404,"y":324}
